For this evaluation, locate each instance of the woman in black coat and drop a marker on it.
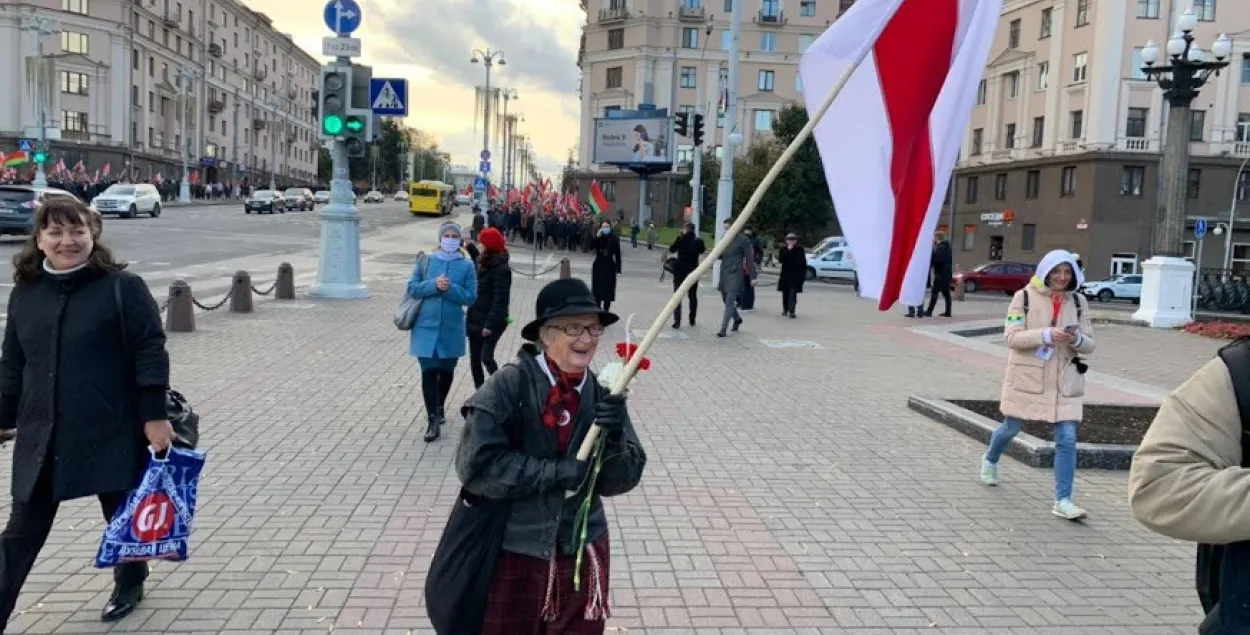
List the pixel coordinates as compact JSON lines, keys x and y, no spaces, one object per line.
{"x":607,"y":265}
{"x":793,"y":273}
{"x":81,"y":390}
{"x":488,"y":315}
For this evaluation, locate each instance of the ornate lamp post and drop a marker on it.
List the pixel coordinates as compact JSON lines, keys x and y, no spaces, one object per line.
{"x":1168,"y":278}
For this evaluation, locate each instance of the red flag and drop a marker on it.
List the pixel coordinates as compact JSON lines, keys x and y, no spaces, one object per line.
{"x":598,"y":202}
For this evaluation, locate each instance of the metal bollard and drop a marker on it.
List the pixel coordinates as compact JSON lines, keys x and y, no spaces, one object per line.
{"x":960,"y":292}
{"x":566,"y":270}
{"x":179,"y":310}
{"x":241,"y":293}
{"x":285,"y":288}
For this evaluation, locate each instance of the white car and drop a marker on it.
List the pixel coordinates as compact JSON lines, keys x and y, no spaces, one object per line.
{"x":1124,"y":287}
{"x":401,"y":195}
{"x":374,"y":196}
{"x":463,"y":199}
{"x":833,"y":263}
{"x":128,"y":200}
{"x":322,"y":196}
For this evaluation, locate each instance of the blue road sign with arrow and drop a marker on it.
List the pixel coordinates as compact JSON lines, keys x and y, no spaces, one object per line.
{"x":484,"y":167}
{"x":1200,"y":228}
{"x":342,"y":16}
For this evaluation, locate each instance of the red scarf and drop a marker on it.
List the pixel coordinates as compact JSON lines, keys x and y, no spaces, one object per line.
{"x":560,"y":412}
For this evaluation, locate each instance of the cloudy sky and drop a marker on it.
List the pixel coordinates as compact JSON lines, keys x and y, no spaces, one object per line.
{"x":429,"y":42}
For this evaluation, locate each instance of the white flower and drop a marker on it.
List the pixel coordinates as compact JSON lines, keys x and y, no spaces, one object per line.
{"x":609,"y":374}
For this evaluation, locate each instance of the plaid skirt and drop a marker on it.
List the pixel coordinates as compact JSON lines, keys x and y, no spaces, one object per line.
{"x":531,"y":596}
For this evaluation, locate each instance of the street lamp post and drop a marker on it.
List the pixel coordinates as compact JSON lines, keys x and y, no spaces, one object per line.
{"x":725,"y":187}
{"x":1167,"y":277}
{"x":185,"y":77}
{"x":42,"y":27}
{"x":488,"y":58}
{"x":1232,"y":215}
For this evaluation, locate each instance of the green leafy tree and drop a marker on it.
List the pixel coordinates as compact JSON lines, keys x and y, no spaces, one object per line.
{"x":325,"y":167}
{"x":709,"y":175}
{"x":799,"y":199}
{"x":568,"y":177}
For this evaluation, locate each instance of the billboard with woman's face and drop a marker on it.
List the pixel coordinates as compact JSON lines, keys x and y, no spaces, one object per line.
{"x":634,"y":141}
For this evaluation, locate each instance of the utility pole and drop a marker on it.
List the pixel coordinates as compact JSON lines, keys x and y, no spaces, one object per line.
{"x":725,"y":188}
{"x":186,"y":76}
{"x":234,"y":152}
{"x":696,"y":180}
{"x":488,"y":58}
{"x":42,"y":27}
{"x":272,"y":104}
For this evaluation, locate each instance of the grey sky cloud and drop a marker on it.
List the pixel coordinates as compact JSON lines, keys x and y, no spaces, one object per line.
{"x":440,"y":35}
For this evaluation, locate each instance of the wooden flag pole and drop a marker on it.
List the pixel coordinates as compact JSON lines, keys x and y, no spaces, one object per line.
{"x":631,"y":367}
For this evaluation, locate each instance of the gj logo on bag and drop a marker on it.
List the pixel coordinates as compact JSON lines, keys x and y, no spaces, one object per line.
{"x":155,"y":523}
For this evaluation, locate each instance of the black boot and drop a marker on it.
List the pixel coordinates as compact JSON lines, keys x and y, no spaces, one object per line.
{"x":430,"y":391}
{"x":127,"y":591}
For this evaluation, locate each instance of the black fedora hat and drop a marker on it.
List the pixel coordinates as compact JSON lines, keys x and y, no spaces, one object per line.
{"x":566,"y":296}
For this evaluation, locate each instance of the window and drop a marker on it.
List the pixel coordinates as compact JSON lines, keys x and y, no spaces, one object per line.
{"x":807,"y":8}
{"x":798,"y":83}
{"x":690,"y":4}
{"x":1243,"y":127}
{"x":729,"y":5}
{"x":1245,"y":68}
{"x":1013,"y":34}
{"x":1131,"y":180}
{"x":1009,"y":136}
{"x":805,"y":42}
{"x":726,"y":37}
{"x":1193,"y":183}
{"x":73,"y":83}
{"x":1032,"y":184}
{"x":613,"y":77}
{"x":74,"y":42}
{"x":1067,"y":181}
{"x":1197,"y":124}
{"x":74,"y":6}
{"x":1028,"y":237}
{"x":1077,"y":117}
{"x":689,"y":76}
{"x":1044,"y":31}
{"x":1000,"y":187}
{"x":1148,"y":9}
{"x":609,"y":190}
{"x":616,"y":39}
{"x":1241,"y":258}
{"x":1082,"y":12}
{"x":1043,"y":75}
{"x":1078,"y":68}
{"x":970,"y":236}
{"x":970,"y":193}
{"x":1013,"y":84}
{"x":770,"y":8}
{"x":1205,"y":10}
{"x":1039,"y":128}
{"x":981,"y":91}
{"x":764,"y":120}
{"x":690,"y":38}
{"x":766,"y":80}
{"x":73,"y":121}
{"x":1135,"y":125}
{"x":978,"y":136}
{"x":768,"y":42}
{"x":607,"y":112}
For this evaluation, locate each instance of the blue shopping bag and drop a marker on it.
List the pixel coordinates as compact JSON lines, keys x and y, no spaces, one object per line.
{"x":155,"y":521}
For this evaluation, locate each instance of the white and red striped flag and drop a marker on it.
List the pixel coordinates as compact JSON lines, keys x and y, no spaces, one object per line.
{"x":891,"y":138}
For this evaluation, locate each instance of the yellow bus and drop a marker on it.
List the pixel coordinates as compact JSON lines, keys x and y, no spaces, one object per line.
{"x":430,"y":198}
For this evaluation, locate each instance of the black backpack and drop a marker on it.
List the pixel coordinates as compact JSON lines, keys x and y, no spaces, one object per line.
{"x":1222,"y":572}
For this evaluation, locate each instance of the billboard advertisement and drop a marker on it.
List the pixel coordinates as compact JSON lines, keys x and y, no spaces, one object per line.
{"x":635,"y":140}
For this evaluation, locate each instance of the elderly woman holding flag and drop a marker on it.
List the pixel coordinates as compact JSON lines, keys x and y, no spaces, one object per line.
{"x":518,"y":554}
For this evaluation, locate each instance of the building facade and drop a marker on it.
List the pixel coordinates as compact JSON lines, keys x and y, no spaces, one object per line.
{"x":1064,"y":145}
{"x":117,"y":74}
{"x":661,"y":51}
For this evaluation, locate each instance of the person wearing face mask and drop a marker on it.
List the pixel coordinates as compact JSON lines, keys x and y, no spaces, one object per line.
{"x":1048,"y":329}
{"x":607,"y":265}
{"x":686,"y":249}
{"x":445,"y":283}
{"x":81,"y":390}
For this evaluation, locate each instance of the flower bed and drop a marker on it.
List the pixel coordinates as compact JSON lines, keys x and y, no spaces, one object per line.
{"x":1219,"y":330}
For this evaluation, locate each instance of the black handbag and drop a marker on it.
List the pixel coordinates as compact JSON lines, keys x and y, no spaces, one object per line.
{"x":183,"y":419}
{"x":457,"y":587}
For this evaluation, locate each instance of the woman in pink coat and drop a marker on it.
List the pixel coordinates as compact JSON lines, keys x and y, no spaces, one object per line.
{"x":1048,"y":329}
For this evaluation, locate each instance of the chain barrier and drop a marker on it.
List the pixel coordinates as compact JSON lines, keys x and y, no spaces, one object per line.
{"x":267,"y":291}
{"x":537,"y":275}
{"x":213,"y":307}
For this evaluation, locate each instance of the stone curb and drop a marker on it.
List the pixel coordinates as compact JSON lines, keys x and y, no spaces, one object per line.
{"x":1025,"y":447}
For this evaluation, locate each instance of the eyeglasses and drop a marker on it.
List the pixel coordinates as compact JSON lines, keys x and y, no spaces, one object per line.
{"x":576,"y":330}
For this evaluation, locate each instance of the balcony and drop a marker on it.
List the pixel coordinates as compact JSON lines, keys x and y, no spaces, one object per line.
{"x":691,"y":14}
{"x":612,"y":16}
{"x":171,"y":19}
{"x":1135,"y":144}
{"x":216,"y":106}
{"x":260,"y":74}
{"x":292,"y":93}
{"x":258,"y":124}
{"x":291,"y":137}
{"x":771,"y":18}
{"x":1000,"y":155}
{"x":1071,"y":145}
{"x":1241,"y":149}
{"x":215,"y":50}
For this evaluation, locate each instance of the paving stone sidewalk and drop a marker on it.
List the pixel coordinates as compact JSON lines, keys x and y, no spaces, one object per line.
{"x":788,"y":490}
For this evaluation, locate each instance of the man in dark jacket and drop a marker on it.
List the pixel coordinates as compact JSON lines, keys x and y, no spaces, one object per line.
{"x":943,"y":272}
{"x":687,"y":249}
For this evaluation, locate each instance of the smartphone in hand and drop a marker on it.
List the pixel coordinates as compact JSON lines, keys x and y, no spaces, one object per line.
{"x":1071,"y":329}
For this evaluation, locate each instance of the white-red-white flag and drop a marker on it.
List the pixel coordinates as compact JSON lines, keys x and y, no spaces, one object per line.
{"x":891,"y":138}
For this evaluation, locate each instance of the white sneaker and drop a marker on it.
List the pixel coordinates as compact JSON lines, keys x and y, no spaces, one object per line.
{"x":1068,"y":510}
{"x":989,"y":473}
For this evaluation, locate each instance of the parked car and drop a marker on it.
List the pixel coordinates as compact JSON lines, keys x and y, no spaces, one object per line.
{"x":463,"y":199}
{"x":1008,"y":277}
{"x":1124,"y":287}
{"x":827,"y":243}
{"x":322,"y":196}
{"x":401,"y":195}
{"x":18,"y":204}
{"x":374,"y":196}
{"x":300,"y":198}
{"x":833,"y":263}
{"x":128,"y":200}
{"x":262,"y":201}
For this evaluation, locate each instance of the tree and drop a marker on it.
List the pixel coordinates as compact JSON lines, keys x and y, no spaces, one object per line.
{"x":325,"y":167}
{"x":799,"y":199}
{"x":568,"y":178}
{"x":709,"y":175}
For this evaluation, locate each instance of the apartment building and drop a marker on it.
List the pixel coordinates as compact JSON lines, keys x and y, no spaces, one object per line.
{"x":1064,"y":145}
{"x":660,"y":51}
{"x":117,"y":74}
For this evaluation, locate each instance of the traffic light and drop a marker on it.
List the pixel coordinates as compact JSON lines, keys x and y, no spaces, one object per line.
{"x":697,"y":130}
{"x":356,"y":131}
{"x":335,"y":95}
{"x":682,"y":124}
{"x":41,"y":155}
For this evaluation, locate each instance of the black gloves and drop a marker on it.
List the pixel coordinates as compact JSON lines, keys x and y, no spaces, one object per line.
{"x":610,"y":414}
{"x":571,"y":474}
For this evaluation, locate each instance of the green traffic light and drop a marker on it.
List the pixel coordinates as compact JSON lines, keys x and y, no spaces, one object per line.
{"x":355,"y":125}
{"x":332,"y":124}
{"x":40,"y":157}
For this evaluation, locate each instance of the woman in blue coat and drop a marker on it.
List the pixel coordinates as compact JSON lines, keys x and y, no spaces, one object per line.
{"x":445,"y":283}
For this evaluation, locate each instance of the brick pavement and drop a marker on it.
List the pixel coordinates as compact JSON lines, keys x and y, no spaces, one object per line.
{"x":789,"y":490}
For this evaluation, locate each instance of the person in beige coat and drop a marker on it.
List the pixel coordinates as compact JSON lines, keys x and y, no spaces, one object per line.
{"x":1047,"y":331}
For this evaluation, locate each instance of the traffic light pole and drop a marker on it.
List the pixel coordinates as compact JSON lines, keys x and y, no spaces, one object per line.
{"x":696,"y":180}
{"x":338,"y":263}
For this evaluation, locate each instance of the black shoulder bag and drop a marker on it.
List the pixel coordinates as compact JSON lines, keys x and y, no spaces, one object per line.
{"x":178,"y":411}
{"x":1077,"y":360}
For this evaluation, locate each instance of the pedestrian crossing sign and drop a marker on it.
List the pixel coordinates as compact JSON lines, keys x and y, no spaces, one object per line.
{"x":388,"y":97}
